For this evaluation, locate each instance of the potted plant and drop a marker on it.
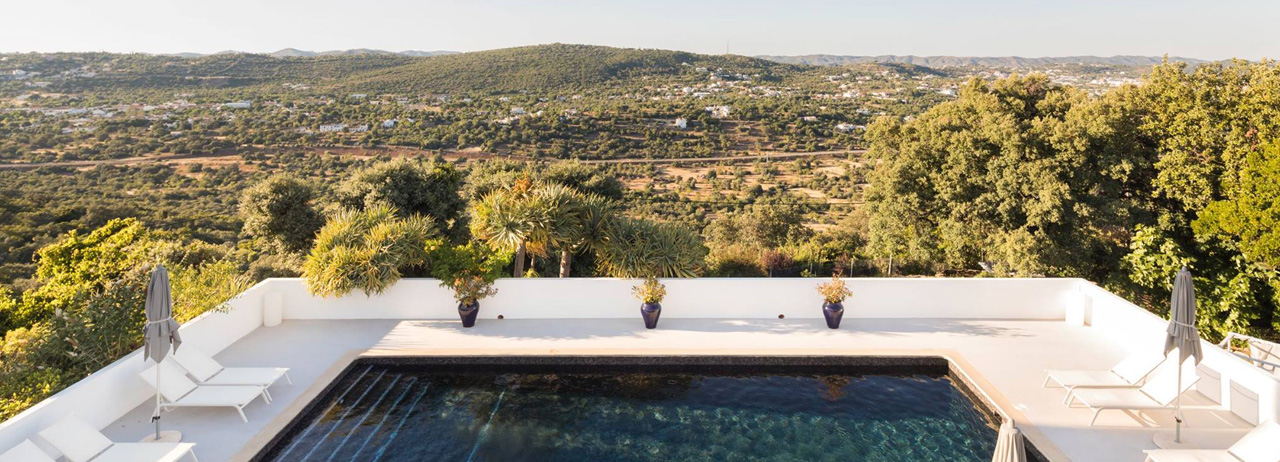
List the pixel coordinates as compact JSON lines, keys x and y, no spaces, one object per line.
{"x":469,"y":270}
{"x":833,"y":294}
{"x":468,"y":290}
{"x":650,"y":293}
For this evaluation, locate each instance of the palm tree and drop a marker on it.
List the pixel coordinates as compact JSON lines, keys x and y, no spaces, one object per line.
{"x":575,"y":221}
{"x":642,"y":248}
{"x":517,"y":219}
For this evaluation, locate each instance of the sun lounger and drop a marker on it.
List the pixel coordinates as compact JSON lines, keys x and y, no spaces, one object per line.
{"x":1129,"y":372}
{"x":208,"y":371}
{"x":1158,"y":393}
{"x":179,"y":391}
{"x":26,"y":451}
{"x":1259,"y":445}
{"x":79,"y":442}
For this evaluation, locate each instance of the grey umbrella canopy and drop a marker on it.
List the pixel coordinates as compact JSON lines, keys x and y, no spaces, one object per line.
{"x":1009,"y":445}
{"x":161,"y":331}
{"x":1182,"y":334}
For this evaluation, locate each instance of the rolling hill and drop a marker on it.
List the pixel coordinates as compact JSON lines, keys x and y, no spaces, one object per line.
{"x":555,"y":67}
{"x":954,"y":61}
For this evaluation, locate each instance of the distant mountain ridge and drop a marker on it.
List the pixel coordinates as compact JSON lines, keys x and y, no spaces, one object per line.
{"x":296,"y":53}
{"x":991,"y":61}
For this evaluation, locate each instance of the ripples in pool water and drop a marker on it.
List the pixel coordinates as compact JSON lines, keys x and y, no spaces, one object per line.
{"x":385,"y":414}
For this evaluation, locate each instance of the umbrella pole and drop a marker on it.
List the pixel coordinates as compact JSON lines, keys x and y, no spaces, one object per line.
{"x":1177,"y":406}
{"x":156,"y":417}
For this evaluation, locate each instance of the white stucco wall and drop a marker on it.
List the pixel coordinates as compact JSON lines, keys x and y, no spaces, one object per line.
{"x":111,"y":392}
{"x":1138,"y":329}
{"x":721,"y":298}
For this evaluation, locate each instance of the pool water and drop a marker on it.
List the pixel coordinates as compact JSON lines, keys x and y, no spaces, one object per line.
{"x":388,"y":413}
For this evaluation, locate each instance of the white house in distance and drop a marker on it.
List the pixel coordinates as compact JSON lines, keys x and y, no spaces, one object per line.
{"x":681,"y":123}
{"x":328,"y":128}
{"x":848,"y":128}
{"x":390,"y":123}
{"x":719,"y":112}
{"x":239,"y":105}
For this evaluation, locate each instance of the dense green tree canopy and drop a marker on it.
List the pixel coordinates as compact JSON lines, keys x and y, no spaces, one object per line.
{"x":282,"y":211}
{"x":409,"y":187}
{"x":1022,"y":176}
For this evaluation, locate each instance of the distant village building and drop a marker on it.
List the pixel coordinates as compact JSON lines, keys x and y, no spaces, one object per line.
{"x":359,"y":95}
{"x":718,"y":112}
{"x":327,"y":128}
{"x":682,"y":123}
{"x":360,"y":128}
{"x":846,"y":128}
{"x":517,"y":111}
{"x":239,"y":105}
{"x":390,"y":123}
{"x":809,"y":119}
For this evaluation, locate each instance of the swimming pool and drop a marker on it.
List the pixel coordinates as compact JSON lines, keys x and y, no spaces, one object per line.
{"x":393,"y":412}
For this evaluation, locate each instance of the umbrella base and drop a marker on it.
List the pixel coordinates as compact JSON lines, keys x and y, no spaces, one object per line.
{"x":1200,"y":438}
{"x":1164,"y":440}
{"x":167,"y":436}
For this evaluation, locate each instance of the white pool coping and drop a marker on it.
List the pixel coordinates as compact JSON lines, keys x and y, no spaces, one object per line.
{"x":1006,"y":358}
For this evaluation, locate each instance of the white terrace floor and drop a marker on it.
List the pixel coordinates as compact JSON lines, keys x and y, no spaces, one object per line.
{"x":1006,"y":357}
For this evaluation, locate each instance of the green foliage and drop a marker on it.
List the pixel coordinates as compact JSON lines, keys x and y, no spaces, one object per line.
{"x":469,"y":269}
{"x":1021,"y":174}
{"x":650,"y":291}
{"x":367,"y":250}
{"x":8,"y":309}
{"x":206,"y":287}
{"x":409,"y":188}
{"x":1235,"y":296}
{"x":82,"y":263}
{"x":96,"y":324}
{"x":643,"y":248}
{"x":1250,"y":215}
{"x":281,"y":210}
{"x":584,"y":178}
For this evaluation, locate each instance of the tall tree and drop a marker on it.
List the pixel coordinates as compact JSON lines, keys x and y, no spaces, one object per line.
{"x":281,"y":210}
{"x":410,"y":187}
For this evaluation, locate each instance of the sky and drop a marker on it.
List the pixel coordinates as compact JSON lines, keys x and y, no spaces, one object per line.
{"x":1203,"y":29}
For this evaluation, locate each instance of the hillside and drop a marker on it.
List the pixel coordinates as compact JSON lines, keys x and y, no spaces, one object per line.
{"x":955,"y":61}
{"x":558,"y":66}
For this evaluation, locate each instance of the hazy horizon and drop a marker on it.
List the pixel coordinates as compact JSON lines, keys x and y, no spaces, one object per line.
{"x":980,"y":28}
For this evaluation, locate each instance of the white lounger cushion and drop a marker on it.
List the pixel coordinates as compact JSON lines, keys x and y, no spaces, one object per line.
{"x":1190,"y":455}
{"x":1088,"y":379}
{"x":145,"y":452}
{"x":1127,"y":372}
{"x":1119,"y":398}
{"x":26,"y":451}
{"x":1262,"y":444}
{"x":208,"y":371}
{"x":76,"y":440}
{"x":1158,"y":393}
{"x":179,"y":391}
{"x":1259,"y":445}
{"x":264,"y":376}
{"x":79,"y":442}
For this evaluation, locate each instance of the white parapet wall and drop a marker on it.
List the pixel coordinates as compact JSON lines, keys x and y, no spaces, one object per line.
{"x":108,"y":394}
{"x":720,"y":298}
{"x":1248,"y":391}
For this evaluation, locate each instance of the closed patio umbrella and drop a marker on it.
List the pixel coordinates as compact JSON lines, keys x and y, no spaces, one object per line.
{"x":1182,"y":335}
{"x":1009,"y":445}
{"x":160,"y":333}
